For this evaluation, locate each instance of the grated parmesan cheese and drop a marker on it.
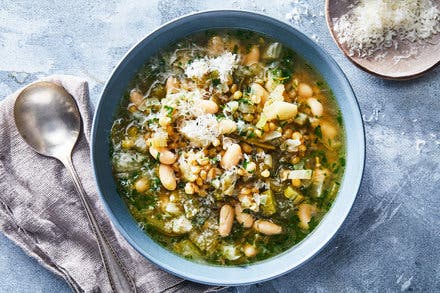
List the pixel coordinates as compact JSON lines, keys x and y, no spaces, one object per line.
{"x":202,"y":131}
{"x":186,"y":164}
{"x":179,"y":225}
{"x":127,"y":161}
{"x":223,"y":65}
{"x":372,"y":26}
{"x":185,"y":102}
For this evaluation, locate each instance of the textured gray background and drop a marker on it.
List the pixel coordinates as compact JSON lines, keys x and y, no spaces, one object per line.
{"x":390,"y":241}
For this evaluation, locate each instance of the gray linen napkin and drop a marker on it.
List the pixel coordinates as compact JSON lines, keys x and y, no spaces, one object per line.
{"x":41,"y":212}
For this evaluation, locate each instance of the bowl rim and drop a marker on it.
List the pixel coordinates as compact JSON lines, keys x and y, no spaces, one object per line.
{"x":323,"y":242}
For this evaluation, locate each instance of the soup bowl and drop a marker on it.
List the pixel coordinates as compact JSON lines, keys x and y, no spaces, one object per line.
{"x":110,"y":101}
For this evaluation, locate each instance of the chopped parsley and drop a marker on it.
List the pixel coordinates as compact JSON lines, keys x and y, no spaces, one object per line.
{"x":339,"y":118}
{"x":169,"y":110}
{"x":245,"y":101}
{"x":155,"y":184}
{"x":321,"y":84}
{"x":215,"y":81}
{"x":281,"y":75}
{"x":318,"y":131}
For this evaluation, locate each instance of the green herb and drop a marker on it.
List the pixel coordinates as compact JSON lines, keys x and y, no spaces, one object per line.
{"x":321,"y":84}
{"x":342,"y":161}
{"x":318,"y":131}
{"x":282,"y":123}
{"x":169,"y":110}
{"x":235,"y":50}
{"x":155,"y":184}
{"x":248,"y":48}
{"x":245,"y":101}
{"x":251,"y":135}
{"x":288,"y":60}
{"x":215,"y":81}
{"x":339,"y":118}
{"x":244,"y":35}
{"x":152,"y":120}
{"x":220,"y":116}
{"x":321,"y":155}
{"x":281,"y":75}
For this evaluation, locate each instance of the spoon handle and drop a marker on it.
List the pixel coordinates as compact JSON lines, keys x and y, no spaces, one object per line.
{"x":120,"y":281}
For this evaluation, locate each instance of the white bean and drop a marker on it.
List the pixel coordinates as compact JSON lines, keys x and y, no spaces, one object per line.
{"x":328,"y":130}
{"x":280,"y":110}
{"x":304,"y":90}
{"x":231,"y":157}
{"x":142,"y":184}
{"x":305,"y":213}
{"x":227,"y":126}
{"x":208,"y":106}
{"x":164,"y":155}
{"x":259,"y":91}
{"x":167,"y":177}
{"x":267,"y":228}
{"x":216,"y":45}
{"x":250,"y":250}
{"x":136,"y":97}
{"x":226,"y":220}
{"x":172,"y":84}
{"x":243,"y":218}
{"x":315,"y":107}
{"x":252,"y":57}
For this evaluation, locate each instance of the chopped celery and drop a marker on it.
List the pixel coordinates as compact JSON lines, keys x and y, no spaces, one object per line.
{"x":299,"y":174}
{"x":273,"y":51}
{"x":300,"y":119}
{"x":268,"y":203}
{"x":291,"y":193}
{"x":262,"y":122}
{"x":188,"y":249}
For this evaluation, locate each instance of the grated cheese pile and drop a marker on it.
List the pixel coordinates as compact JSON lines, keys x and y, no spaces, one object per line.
{"x":185,"y":102}
{"x":372,"y":26}
{"x":223,"y":65}
{"x":202,"y":131}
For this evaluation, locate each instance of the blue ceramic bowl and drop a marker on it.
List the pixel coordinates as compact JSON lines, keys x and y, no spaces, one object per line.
{"x":110,"y":100}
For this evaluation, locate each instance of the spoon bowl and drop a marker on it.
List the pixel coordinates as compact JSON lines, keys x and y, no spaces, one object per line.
{"x":47,"y":118}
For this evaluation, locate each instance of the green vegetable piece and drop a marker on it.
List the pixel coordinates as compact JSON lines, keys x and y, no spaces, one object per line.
{"x":188,"y":249}
{"x":273,"y":51}
{"x":333,"y":191}
{"x":291,"y":193}
{"x":300,"y":119}
{"x":262,"y":121}
{"x":268,"y":204}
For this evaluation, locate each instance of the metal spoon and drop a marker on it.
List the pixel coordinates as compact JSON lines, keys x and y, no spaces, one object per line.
{"x":48,"y":119}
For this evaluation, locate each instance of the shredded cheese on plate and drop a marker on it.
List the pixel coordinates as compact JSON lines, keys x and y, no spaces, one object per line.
{"x":372,"y":26}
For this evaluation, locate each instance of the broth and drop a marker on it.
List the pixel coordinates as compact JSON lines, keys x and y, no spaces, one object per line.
{"x":228,"y":148}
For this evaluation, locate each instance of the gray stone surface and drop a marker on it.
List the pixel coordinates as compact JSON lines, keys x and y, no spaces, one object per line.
{"x":390,"y":241}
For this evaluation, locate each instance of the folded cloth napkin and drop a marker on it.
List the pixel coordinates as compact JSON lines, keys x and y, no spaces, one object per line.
{"x":41,"y":212}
